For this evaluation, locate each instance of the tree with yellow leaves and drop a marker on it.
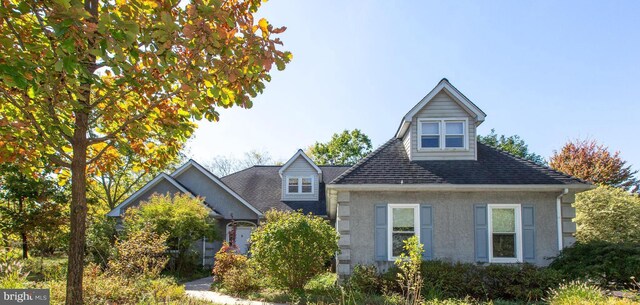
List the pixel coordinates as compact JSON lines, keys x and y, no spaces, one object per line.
{"x":82,"y":81}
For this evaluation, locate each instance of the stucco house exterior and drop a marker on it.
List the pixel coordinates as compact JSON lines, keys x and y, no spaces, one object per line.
{"x":466,"y":201}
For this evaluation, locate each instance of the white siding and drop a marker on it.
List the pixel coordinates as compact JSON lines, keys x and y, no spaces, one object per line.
{"x":301,"y":168}
{"x":442,"y":106}
{"x":406,"y":141}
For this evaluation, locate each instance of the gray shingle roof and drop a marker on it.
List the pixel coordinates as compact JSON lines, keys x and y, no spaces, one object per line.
{"x":261,"y":186}
{"x":390,"y":164}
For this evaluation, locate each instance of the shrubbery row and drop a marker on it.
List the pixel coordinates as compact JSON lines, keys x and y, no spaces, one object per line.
{"x":444,"y":280}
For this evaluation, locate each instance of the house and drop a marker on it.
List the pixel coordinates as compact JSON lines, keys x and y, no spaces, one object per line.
{"x":243,"y":197}
{"x":465,"y":201}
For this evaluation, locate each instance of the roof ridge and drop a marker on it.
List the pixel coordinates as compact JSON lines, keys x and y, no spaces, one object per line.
{"x":533,"y":164}
{"x":362,"y":161}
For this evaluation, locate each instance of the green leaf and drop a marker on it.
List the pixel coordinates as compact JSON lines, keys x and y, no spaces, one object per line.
{"x":58,"y":66}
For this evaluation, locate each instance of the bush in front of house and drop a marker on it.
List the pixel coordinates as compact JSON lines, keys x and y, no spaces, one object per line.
{"x":444,"y":280}
{"x":184,"y":220}
{"x":290,"y":248}
{"x":141,"y":253}
{"x":610,"y":265}
{"x":233,"y":270}
{"x":608,"y":214}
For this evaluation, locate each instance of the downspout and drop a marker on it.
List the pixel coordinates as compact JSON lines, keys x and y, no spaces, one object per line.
{"x":559,"y":217}
{"x":204,"y":251}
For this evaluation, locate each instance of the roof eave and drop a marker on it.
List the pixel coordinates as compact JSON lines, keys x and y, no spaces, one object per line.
{"x":577,"y":187}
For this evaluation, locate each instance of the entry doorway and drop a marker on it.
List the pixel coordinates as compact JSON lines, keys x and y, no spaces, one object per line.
{"x":243,"y":232}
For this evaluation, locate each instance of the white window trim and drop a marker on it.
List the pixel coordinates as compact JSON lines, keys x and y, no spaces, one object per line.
{"x":416,"y":224}
{"x":518,"y":211}
{"x":299,"y":192}
{"x":443,"y":133}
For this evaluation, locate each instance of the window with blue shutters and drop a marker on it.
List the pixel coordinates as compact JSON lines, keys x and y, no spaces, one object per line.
{"x":505,"y":233}
{"x":404,"y":222}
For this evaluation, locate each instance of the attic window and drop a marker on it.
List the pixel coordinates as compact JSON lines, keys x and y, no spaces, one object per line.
{"x":442,"y":134}
{"x":299,"y":185}
{"x":454,"y":134}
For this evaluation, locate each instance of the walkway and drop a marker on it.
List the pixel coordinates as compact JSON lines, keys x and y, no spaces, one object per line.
{"x":200,"y":289}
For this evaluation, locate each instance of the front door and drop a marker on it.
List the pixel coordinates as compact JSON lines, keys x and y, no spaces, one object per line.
{"x":242,"y":238}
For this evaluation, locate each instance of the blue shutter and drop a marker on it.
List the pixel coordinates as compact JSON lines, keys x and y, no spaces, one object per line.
{"x":481,"y":233}
{"x":380,"y":234}
{"x":528,"y":233}
{"x":426,"y":231}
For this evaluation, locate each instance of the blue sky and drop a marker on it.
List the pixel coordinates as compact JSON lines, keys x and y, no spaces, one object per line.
{"x":547,"y":71}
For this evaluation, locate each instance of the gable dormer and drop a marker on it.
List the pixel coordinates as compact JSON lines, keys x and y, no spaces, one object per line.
{"x":300,"y":179}
{"x":442,"y":126}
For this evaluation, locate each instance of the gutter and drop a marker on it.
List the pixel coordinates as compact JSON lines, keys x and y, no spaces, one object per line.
{"x":559,"y":217}
{"x":457,"y":187}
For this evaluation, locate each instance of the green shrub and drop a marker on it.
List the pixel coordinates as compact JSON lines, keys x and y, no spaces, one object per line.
{"x":324,"y":283}
{"x":608,"y":214}
{"x":141,"y":253}
{"x":182,"y":218}
{"x":290,"y":248}
{"x":101,"y":238}
{"x":364,"y":279}
{"x":525,"y":282}
{"x":607,"y":264}
{"x":444,"y":280}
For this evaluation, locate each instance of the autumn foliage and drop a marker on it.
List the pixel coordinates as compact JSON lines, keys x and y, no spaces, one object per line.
{"x":593,"y":162}
{"x":82,"y":82}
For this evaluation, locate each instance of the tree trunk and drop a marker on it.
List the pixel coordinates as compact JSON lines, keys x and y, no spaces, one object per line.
{"x":25,"y":245}
{"x":78,"y":209}
{"x":79,"y":173}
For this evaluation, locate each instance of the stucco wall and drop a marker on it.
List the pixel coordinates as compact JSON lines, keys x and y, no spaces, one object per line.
{"x":453,"y":221}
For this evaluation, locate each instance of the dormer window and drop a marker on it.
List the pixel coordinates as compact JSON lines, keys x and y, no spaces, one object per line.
{"x":299,"y":185}
{"x":438,"y":134}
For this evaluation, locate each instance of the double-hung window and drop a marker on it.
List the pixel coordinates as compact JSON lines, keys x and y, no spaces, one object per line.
{"x":454,"y":134}
{"x":437,"y":134}
{"x":404,"y":222}
{"x":299,"y":185}
{"x":505,"y":237}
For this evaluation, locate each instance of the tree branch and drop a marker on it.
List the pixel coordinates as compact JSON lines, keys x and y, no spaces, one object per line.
{"x":132,"y":119}
{"x":39,"y":129}
{"x":15,"y":33}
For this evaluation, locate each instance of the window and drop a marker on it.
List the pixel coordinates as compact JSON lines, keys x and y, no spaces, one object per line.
{"x":505,"y":240}
{"x":293,"y":185}
{"x":403,"y":223}
{"x":306,"y":185}
{"x":430,"y":136}
{"x":442,"y":134}
{"x":299,"y":185}
{"x":454,"y":136}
